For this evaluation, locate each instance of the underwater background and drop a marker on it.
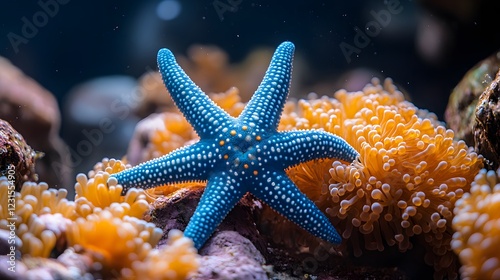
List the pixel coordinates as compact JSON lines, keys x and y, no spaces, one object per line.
{"x":424,"y":46}
{"x":89,"y":55}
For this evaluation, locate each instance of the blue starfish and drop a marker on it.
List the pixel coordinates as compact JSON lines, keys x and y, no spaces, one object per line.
{"x":240,"y":155}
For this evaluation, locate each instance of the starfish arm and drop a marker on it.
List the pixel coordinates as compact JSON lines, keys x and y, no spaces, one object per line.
{"x":281,"y":194}
{"x":265,"y":107}
{"x":219,"y":197}
{"x":290,"y":148}
{"x":200,"y":111}
{"x":189,"y":163}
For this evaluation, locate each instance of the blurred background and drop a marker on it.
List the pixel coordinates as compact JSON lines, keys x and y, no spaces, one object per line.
{"x":424,"y":46}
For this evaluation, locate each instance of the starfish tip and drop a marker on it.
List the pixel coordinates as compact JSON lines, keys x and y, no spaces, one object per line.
{"x":286,"y":45}
{"x":164,"y":55}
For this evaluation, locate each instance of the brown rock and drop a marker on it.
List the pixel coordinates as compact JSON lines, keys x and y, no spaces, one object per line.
{"x":487,"y":124}
{"x":16,"y":157}
{"x":175,"y":210}
{"x":33,"y":112}
{"x":460,"y":112}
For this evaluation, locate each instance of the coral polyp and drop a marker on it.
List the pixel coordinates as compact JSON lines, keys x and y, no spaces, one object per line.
{"x":477,"y":226}
{"x":40,"y":214}
{"x":409,"y":174}
{"x":102,"y":224}
{"x":113,"y":241}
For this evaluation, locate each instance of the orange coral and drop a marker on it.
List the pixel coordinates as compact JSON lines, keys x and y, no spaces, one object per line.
{"x":173,"y":133}
{"x":113,"y":241}
{"x":176,"y":260}
{"x":408,"y":177}
{"x":105,"y":225}
{"x":110,"y":166}
{"x":477,"y":226}
{"x":108,"y":218}
{"x":41,"y":216}
{"x":95,"y":192}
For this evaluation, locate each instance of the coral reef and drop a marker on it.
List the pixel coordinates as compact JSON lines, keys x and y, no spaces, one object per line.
{"x":409,"y":191}
{"x":410,"y":180}
{"x":33,"y":112}
{"x":99,"y":233}
{"x":477,"y":226}
{"x":94,"y":192}
{"x":84,"y":233}
{"x":176,"y":260}
{"x":41,"y":216}
{"x":16,"y":156}
{"x":407,"y":179}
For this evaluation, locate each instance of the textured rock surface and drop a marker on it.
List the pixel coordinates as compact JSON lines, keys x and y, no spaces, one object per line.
{"x":487,"y":124}
{"x":33,"y":112}
{"x":15,"y":152}
{"x":174,"y":212}
{"x":228,"y":255}
{"x":460,"y":112}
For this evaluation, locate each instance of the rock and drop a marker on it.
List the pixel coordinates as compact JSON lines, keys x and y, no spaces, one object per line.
{"x":17,"y":158}
{"x":460,"y":112}
{"x":175,"y":210}
{"x":33,"y":112}
{"x":228,"y":255}
{"x":487,"y":124}
{"x":473,"y":110}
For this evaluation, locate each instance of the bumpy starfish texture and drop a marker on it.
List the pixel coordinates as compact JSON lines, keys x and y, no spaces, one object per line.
{"x":240,"y":155}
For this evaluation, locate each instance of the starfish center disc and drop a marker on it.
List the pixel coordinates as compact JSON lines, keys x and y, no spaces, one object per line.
{"x":239,"y":146}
